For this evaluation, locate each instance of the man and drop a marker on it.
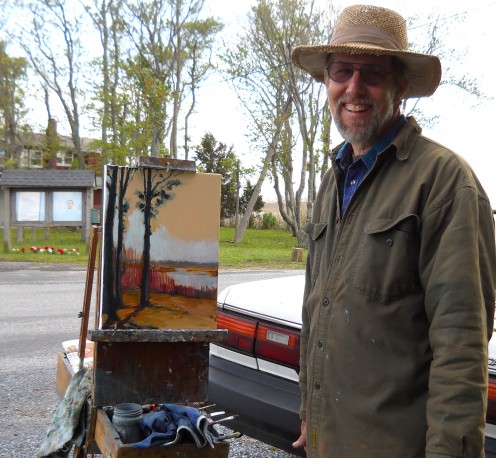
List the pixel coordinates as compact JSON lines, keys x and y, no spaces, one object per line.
{"x":400,"y":281}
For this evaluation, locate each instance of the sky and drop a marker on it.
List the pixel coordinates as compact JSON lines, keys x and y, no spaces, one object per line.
{"x":465,"y":125}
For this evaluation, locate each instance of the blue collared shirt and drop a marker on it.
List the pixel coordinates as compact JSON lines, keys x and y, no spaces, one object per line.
{"x":355,"y":170}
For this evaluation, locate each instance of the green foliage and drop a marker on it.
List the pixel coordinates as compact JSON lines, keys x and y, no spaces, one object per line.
{"x":245,"y":198}
{"x":216,"y":157}
{"x":269,"y":221}
{"x":12,"y":78}
{"x":10,"y":163}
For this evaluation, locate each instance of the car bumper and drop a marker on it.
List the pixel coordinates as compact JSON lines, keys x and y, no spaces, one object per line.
{"x":267,"y":405}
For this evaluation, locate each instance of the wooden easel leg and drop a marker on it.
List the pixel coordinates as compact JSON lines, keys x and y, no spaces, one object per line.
{"x":79,"y":452}
{"x":87,"y":296}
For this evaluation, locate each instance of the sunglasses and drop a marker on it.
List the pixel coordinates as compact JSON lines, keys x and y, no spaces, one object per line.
{"x":370,"y":74}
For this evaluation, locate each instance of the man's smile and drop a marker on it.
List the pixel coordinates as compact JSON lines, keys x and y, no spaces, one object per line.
{"x":356,"y":108}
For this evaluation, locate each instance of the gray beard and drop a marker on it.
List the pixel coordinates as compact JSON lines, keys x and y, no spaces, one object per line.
{"x":363,"y":134}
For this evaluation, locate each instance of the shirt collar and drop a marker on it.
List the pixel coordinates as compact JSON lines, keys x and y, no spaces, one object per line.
{"x":370,"y":156}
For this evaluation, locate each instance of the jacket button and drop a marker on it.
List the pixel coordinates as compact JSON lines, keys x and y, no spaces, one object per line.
{"x":325,"y":301}
{"x":389,"y":242}
{"x":317,"y":385}
{"x":320,"y":344}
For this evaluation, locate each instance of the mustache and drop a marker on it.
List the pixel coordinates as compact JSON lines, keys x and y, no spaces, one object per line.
{"x":355,"y":100}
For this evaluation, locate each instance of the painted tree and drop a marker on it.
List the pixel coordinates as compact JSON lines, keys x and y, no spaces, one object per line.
{"x":125,"y":174}
{"x":156,"y":192}
{"x":109,"y":313}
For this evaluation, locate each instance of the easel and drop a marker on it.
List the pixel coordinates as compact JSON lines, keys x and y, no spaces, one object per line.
{"x":143,"y":366}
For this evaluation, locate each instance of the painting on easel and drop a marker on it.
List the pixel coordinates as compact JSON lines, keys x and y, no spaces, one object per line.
{"x":159,"y":249}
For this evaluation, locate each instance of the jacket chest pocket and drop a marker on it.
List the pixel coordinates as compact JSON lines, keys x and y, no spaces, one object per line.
{"x":386,"y":266}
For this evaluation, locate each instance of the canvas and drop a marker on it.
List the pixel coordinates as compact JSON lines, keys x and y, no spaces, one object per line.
{"x":159,"y":249}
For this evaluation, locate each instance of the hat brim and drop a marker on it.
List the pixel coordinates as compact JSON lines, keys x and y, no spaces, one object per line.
{"x":423,"y":70}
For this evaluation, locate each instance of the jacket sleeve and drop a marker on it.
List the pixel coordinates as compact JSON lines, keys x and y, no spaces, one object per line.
{"x":457,"y":269}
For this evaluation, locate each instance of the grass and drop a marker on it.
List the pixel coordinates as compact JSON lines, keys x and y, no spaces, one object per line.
{"x":260,"y":249}
{"x":36,"y":248}
{"x":268,"y":249}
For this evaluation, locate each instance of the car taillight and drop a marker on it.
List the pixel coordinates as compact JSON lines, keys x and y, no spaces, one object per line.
{"x":241,"y":331}
{"x":273,"y":343}
{"x":278,"y":344}
{"x":491,"y":402}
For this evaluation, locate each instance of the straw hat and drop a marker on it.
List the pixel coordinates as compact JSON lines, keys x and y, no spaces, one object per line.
{"x":364,"y":29}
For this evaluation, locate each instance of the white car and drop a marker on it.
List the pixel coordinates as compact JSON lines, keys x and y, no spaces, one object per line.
{"x":254,"y":373}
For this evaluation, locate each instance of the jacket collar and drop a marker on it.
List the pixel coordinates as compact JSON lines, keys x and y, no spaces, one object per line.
{"x":406,"y":139}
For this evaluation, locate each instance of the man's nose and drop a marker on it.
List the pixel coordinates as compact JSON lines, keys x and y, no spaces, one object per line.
{"x":355,"y":84}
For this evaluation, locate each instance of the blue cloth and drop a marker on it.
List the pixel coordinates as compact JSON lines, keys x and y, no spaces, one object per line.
{"x":354,"y":171}
{"x":172,"y":424}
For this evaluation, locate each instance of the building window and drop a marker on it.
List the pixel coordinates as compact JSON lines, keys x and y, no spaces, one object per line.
{"x":24,"y":159}
{"x":36,"y":159}
{"x":65,"y":158}
{"x":31,"y":159}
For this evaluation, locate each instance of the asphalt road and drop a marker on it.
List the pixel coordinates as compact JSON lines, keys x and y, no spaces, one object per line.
{"x":39,"y":308}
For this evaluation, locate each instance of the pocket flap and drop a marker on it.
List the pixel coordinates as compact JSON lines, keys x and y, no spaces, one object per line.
{"x":407,"y":223}
{"x":317,"y":230}
{"x":314,"y":229}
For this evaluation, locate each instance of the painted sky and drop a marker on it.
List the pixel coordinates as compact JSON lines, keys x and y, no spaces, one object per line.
{"x":187,"y":227}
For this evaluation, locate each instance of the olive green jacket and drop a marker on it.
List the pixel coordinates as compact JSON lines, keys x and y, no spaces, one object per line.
{"x":398,"y":309}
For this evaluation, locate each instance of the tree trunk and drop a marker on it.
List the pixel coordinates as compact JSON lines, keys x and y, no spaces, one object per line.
{"x":108,"y":298}
{"x":271,"y":149}
{"x":147,"y":181}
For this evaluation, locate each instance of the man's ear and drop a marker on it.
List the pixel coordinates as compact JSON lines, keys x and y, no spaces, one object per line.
{"x":402,"y":90}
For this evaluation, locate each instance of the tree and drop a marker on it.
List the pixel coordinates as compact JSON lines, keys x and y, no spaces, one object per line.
{"x":110,"y":104}
{"x":173,"y":47}
{"x":59,"y":67}
{"x":432,"y":40}
{"x":200,"y":64}
{"x":150,"y":69}
{"x":214,"y":157}
{"x":12,"y":76}
{"x":245,"y":198}
{"x":191,"y":40}
{"x":278,"y":96}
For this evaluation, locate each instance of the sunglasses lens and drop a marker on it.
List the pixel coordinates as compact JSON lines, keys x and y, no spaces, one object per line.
{"x":373,"y":75}
{"x":340,"y":71}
